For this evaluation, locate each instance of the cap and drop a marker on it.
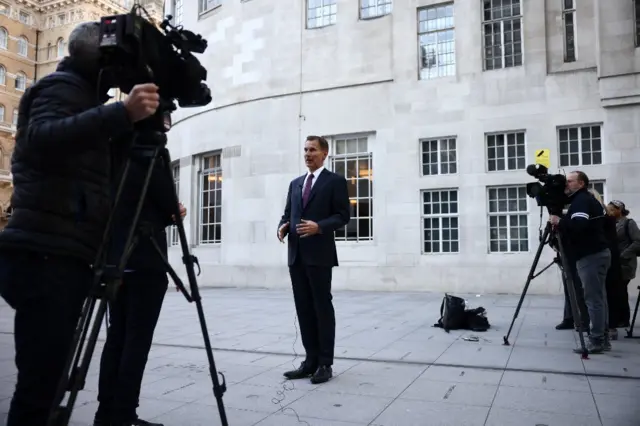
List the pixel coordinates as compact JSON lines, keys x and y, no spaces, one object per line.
{"x":620,"y":206}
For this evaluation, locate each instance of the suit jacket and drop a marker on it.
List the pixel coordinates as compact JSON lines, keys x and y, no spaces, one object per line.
{"x":328,"y":206}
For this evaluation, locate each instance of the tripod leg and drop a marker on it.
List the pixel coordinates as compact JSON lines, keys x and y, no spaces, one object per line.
{"x":573,"y":300}
{"x":530,"y":278}
{"x":171,"y":271}
{"x":633,"y":321}
{"x":218,"y":388}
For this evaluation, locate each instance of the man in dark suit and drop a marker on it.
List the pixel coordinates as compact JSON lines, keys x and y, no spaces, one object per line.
{"x":317,"y":204}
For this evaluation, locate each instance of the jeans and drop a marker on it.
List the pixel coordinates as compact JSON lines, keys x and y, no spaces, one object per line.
{"x":592,"y":270}
{"x":133,"y":317}
{"x":47,"y":293}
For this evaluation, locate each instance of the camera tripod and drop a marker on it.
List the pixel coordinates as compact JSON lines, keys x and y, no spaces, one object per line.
{"x":629,"y":334}
{"x":108,"y":279}
{"x":567,"y":279}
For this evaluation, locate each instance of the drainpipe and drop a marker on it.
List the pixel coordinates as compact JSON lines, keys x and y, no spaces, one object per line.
{"x":35,"y":71}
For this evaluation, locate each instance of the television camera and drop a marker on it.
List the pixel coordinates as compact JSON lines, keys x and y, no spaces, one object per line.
{"x":549,"y":191}
{"x":135,"y":51}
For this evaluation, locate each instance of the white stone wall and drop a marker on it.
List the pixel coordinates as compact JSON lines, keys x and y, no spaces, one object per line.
{"x":274,"y":82}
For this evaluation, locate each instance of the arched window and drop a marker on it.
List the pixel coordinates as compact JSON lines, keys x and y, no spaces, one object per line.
{"x":21,"y":81}
{"x":3,"y":75}
{"x":1,"y":113}
{"x":61,"y":47}
{"x":23,"y":46}
{"x":15,"y":117}
{"x":4,"y":38}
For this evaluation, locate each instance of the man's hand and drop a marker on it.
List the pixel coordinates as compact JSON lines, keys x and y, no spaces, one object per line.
{"x":282,"y":230}
{"x":554,"y":220}
{"x":183,"y":212}
{"x":142,"y":102}
{"x":307,"y":228}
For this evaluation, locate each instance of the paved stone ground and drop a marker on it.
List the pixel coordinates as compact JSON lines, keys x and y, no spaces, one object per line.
{"x":392,"y":366}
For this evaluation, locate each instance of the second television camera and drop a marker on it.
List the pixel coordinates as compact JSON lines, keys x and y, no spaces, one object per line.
{"x":549,"y":192}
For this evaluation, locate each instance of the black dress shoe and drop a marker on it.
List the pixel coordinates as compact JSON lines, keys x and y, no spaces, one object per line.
{"x":565,"y":325}
{"x":304,"y":371}
{"x":140,"y":422}
{"x":322,"y":375}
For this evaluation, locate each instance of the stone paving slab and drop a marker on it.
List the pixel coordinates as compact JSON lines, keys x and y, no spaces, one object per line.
{"x":392,"y":367}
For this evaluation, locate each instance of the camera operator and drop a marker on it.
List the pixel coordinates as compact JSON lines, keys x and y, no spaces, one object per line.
{"x":582,"y":228}
{"x":134,"y":312}
{"x":60,"y":206}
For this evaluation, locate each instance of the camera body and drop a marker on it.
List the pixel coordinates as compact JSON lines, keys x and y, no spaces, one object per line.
{"x":549,"y":191}
{"x":135,"y":51}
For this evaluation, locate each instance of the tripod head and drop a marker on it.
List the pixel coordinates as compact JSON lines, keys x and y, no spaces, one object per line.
{"x":151,"y":132}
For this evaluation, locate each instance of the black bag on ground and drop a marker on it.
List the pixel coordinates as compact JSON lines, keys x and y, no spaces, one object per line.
{"x":454,"y":316}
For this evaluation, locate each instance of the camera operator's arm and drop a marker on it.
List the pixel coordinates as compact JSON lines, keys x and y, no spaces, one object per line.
{"x":57,"y":116}
{"x":577,"y":219}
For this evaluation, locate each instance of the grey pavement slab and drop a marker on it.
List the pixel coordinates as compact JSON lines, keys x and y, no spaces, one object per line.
{"x":392,"y":366}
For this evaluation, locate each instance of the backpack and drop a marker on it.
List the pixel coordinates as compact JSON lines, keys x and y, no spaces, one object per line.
{"x":454,"y":316}
{"x":626,"y":230}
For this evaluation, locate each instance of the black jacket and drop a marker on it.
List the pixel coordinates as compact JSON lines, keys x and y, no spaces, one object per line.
{"x":60,"y":165}
{"x":157,"y":209}
{"x":328,"y":206}
{"x":583,"y":227}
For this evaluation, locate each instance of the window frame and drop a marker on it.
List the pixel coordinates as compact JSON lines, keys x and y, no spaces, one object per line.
{"x":201,"y":191}
{"x":178,"y":12}
{"x":202,"y":6}
{"x":579,"y":127}
{"x":27,"y":15}
{"x":362,"y":7}
{"x":603,"y":182}
{"x":501,"y":21}
{"x":4,"y":38}
{"x":573,"y":12}
{"x":508,"y":214}
{"x":23,"y":42}
{"x":342,"y":235}
{"x":437,"y":67}
{"x":439,"y":140}
{"x":440,"y":216}
{"x":173,"y":238}
{"x":331,"y":3}
{"x":505,"y":134}
{"x":21,"y":76}
{"x":636,"y":16}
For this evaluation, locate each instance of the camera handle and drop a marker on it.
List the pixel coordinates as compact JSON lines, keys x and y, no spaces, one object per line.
{"x":567,"y":279}
{"x":108,"y":279}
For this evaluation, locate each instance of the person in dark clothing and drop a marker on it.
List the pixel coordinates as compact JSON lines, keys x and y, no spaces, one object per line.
{"x":628,"y":239}
{"x":582,"y":229}
{"x":134,"y":312}
{"x":61,"y":202}
{"x":614,"y":274}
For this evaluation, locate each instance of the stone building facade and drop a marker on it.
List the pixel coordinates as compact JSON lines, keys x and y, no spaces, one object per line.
{"x":433,"y":110}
